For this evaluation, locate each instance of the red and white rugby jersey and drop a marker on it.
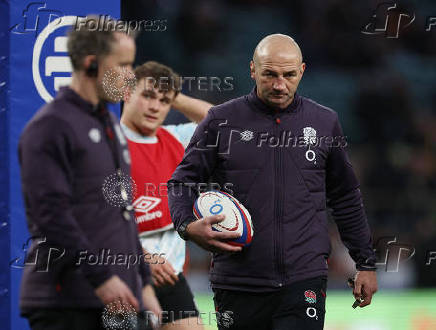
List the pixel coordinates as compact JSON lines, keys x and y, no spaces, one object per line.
{"x":153,"y":161}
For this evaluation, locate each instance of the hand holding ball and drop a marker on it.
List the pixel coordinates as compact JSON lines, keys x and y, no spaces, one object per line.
{"x":237,"y":218}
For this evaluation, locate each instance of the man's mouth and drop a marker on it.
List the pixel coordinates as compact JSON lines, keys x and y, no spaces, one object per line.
{"x":277,"y":96}
{"x":151,"y":118}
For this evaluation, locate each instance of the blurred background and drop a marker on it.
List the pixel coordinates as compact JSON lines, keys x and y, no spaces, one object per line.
{"x":375,"y":64}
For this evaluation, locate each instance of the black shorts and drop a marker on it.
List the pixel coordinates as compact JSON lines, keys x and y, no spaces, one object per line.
{"x":300,"y":305}
{"x":177,"y":301}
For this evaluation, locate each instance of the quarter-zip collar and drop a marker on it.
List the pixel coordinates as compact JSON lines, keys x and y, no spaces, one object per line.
{"x":69,"y":94}
{"x":260,"y":105}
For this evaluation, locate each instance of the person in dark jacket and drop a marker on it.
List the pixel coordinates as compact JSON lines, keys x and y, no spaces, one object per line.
{"x":285,"y":156}
{"x":86,"y":263}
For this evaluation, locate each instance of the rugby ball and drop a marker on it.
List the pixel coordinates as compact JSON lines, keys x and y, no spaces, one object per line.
{"x":237,"y":219}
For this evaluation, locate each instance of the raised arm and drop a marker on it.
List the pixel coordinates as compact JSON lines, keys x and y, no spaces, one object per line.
{"x":194,"y":109}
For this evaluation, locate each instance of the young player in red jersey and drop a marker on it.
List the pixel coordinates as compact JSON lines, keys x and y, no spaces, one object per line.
{"x":155,"y":152}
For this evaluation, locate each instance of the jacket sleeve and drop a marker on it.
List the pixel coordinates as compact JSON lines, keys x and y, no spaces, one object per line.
{"x":196,"y":167}
{"x":345,"y":200}
{"x":46,"y":158}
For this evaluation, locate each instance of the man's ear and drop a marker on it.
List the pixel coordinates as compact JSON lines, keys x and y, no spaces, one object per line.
{"x":252,"y":70}
{"x":302,"y":68}
{"x":87,"y":60}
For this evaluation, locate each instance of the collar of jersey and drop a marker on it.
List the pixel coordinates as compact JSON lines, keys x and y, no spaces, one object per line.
{"x":138,"y":138}
{"x":260,"y":105}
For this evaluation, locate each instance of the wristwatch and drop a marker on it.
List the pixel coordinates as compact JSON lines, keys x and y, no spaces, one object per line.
{"x":182,"y":229}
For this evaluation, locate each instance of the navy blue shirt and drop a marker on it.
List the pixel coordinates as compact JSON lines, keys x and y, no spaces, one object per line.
{"x":286,"y":167}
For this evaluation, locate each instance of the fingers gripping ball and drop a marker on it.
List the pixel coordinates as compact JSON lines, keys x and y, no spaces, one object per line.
{"x":237,"y":218}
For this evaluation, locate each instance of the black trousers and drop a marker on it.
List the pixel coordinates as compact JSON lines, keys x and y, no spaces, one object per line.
{"x":81,"y":319}
{"x":298,"y":306}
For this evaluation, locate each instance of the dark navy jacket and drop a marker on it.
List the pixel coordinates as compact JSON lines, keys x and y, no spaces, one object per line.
{"x":286,"y":167}
{"x":65,"y":159}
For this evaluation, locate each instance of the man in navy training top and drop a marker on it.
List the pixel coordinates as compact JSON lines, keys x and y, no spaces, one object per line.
{"x":285,"y":156}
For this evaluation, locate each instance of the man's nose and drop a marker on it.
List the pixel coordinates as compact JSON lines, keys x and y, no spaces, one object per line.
{"x":153,"y":105}
{"x":279,"y":84}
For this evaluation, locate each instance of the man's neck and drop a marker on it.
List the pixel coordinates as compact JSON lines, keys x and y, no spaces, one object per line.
{"x":84,"y":87}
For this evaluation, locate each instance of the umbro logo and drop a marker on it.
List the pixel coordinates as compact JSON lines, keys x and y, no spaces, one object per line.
{"x":145,"y":203}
